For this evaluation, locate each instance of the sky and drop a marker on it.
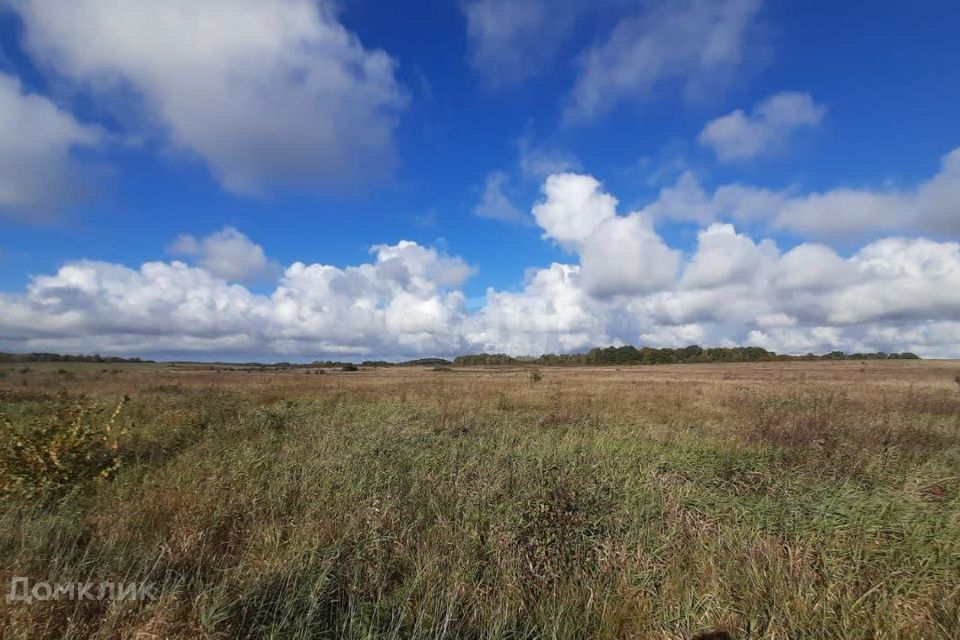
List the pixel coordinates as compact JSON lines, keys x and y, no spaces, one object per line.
{"x":303,"y":179}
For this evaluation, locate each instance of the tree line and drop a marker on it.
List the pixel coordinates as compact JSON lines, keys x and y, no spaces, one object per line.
{"x":57,"y":357}
{"x":685,"y":355}
{"x":599,"y":356}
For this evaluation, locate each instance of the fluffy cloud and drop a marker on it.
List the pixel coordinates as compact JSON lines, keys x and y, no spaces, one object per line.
{"x":725,"y":257}
{"x":812,"y":267}
{"x":845,"y":211}
{"x":267,"y":92}
{"x":698,"y":43}
{"x":937,"y":201}
{"x":625,"y":256}
{"x":899,"y":280}
{"x":624,"y":284}
{"x":686,"y":201}
{"x":573,"y":208}
{"x":892,"y":294}
{"x":552,"y":314}
{"x":38,"y":173}
{"x":619,"y":255}
{"x":933,"y":207}
{"x":399,"y":304}
{"x":402,"y":303}
{"x":895,"y":294}
{"x":738,"y":136}
{"x":227,"y":254}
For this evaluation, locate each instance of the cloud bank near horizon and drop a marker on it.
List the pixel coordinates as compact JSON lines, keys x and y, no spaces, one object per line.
{"x":623,"y":284}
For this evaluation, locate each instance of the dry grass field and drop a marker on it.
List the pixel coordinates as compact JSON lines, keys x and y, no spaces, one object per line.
{"x":767,"y":500}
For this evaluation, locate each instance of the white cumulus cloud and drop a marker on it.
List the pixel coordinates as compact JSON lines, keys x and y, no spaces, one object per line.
{"x":39,"y":174}
{"x":268,"y":92}
{"x":227,"y":254}
{"x":618,"y":254}
{"x":725,"y":256}
{"x":402,"y":303}
{"x":624,"y":255}
{"x":573,"y":207}
{"x":768,"y":128}
{"x":932,"y":207}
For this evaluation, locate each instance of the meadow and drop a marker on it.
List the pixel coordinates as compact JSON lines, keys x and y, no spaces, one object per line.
{"x":765,"y":500}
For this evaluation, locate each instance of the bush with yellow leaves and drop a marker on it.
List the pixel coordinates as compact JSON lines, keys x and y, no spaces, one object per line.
{"x":51,"y":453}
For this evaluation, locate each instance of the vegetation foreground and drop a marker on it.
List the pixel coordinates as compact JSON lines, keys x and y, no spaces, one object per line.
{"x":767,"y":500}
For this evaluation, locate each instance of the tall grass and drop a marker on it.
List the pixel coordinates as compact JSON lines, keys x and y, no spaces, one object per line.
{"x":481,"y":505}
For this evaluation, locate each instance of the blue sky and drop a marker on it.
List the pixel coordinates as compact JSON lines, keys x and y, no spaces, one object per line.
{"x":315,"y":132}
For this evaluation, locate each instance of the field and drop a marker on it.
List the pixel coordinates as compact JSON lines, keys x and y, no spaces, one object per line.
{"x":766,"y":500}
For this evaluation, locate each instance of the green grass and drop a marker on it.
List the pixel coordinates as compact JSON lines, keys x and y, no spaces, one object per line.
{"x":458,"y":512}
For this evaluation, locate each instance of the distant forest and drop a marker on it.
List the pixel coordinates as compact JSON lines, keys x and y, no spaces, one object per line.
{"x":56,"y":357}
{"x":685,"y":355}
{"x":599,"y":356}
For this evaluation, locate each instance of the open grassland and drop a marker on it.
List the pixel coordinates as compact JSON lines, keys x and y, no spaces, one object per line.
{"x":770,"y":500}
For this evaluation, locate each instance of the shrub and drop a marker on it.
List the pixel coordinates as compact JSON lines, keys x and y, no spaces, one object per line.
{"x":50,"y":454}
{"x":535,"y":376}
{"x":349,"y":367}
